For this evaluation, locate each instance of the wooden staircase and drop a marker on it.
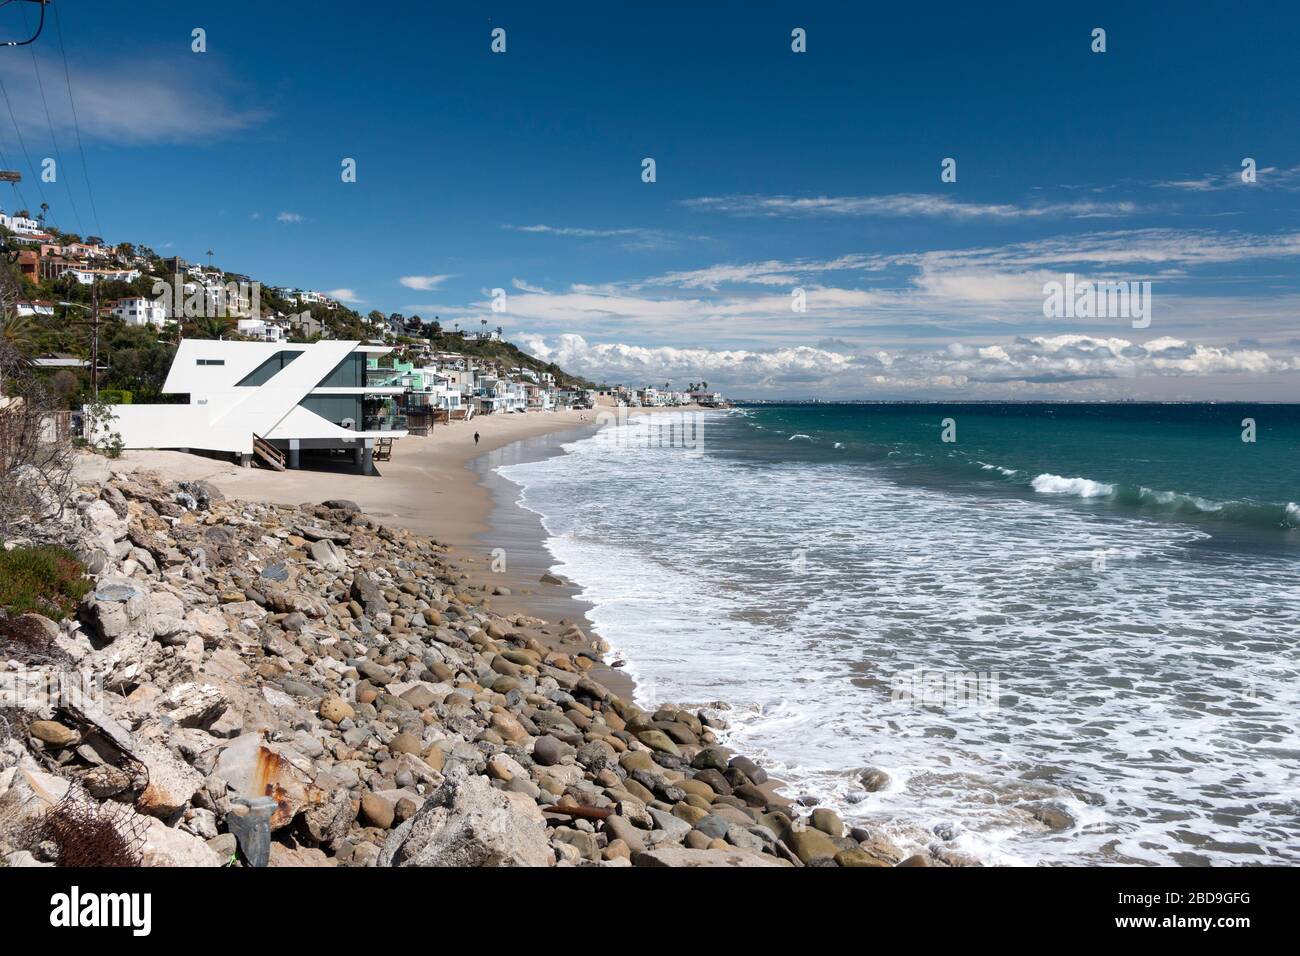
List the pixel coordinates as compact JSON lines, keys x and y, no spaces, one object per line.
{"x":271,"y":456}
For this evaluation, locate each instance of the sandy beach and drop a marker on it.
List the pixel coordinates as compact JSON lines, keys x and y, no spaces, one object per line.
{"x":425,"y":487}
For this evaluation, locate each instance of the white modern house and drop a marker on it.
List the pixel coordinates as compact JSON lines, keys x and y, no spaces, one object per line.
{"x":263,"y":329}
{"x":34,"y":308}
{"x":23,"y":225}
{"x":269,"y":399}
{"x":138,"y":310}
{"x":87,"y":276}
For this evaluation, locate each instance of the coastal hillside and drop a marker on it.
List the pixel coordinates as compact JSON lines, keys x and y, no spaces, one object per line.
{"x":57,"y":280}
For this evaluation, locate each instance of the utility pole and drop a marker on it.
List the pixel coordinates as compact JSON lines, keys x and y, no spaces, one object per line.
{"x":94,"y":343}
{"x":93,"y":325}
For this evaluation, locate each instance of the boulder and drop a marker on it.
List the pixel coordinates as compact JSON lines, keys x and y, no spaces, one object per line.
{"x":547,"y":751}
{"x":810,"y":844}
{"x":104,"y":525}
{"x":336,"y":709}
{"x":366,"y":593}
{"x":828,"y":821}
{"x":53,"y":733}
{"x":330,"y":820}
{"x":254,"y":767}
{"x":682,"y":857}
{"x":172,"y":783}
{"x":327,"y":555}
{"x":165,"y":846}
{"x":658,"y":740}
{"x":117,"y":606}
{"x":191,"y":704}
{"x":466,"y":822}
{"x":378,"y":810}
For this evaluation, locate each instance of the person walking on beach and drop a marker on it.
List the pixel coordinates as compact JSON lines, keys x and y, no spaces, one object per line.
{"x":476,"y":438}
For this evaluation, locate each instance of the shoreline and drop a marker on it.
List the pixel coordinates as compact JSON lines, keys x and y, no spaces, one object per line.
{"x":446,"y":487}
{"x":443,"y":632}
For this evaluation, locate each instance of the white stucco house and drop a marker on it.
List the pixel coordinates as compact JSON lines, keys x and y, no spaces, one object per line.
{"x":269,"y":399}
{"x":138,"y":310}
{"x":262,"y":329}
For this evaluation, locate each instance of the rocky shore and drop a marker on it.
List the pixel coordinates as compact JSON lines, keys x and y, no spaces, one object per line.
{"x":255,"y":684}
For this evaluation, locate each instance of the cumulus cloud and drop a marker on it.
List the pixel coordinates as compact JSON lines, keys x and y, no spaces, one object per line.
{"x":348,"y":296}
{"x":1008,"y":367}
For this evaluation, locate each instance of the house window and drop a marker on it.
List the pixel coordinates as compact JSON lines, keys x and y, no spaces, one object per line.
{"x":210,"y":361}
{"x":268,"y":369}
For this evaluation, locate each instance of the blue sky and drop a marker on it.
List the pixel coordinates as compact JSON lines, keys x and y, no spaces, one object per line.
{"x":775,"y":171}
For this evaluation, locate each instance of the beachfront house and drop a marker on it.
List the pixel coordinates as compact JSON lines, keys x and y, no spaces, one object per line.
{"x":269,"y":400}
{"x":428,"y":396}
{"x":702,"y":396}
{"x":491,"y":395}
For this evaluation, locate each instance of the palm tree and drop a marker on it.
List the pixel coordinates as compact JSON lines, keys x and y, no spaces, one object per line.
{"x":211,"y":326}
{"x":18,"y":331}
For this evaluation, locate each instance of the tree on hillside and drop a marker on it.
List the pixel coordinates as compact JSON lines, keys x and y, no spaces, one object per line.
{"x":35,"y":453}
{"x":18,"y":332}
{"x":211,"y":326}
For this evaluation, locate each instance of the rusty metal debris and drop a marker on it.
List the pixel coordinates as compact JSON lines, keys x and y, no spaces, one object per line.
{"x":86,"y":833}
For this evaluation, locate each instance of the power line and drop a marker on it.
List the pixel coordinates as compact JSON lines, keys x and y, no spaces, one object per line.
{"x":21,"y":142}
{"x":58,"y":156}
{"x":39,"y":26}
{"x":67,"y":76}
{"x":22,"y":201}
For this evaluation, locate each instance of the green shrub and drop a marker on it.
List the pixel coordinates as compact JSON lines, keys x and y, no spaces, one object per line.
{"x":46,"y":579}
{"x":115,"y":396}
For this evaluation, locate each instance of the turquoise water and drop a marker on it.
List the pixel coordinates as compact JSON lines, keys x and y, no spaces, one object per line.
{"x":1159,"y":460}
{"x":1070,"y":636}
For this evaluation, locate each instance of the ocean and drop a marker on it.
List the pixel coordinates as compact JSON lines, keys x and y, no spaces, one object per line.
{"x":1065,"y":635}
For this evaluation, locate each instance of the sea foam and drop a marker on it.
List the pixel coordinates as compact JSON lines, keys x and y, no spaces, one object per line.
{"x":800,"y":591}
{"x":1079,"y":487}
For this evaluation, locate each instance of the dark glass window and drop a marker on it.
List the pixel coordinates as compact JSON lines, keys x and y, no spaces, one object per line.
{"x":268,"y":369}
{"x":335,"y":408}
{"x":350,"y":373}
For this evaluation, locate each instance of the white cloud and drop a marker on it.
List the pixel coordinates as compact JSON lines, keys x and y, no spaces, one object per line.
{"x":900,"y":205}
{"x":574,"y":231}
{"x":1035,"y":364}
{"x":126,"y":102}
{"x":1266,"y":177}
{"x":424,"y":283}
{"x":347,"y":296}
{"x":290,"y":217}
{"x":633,"y":238}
